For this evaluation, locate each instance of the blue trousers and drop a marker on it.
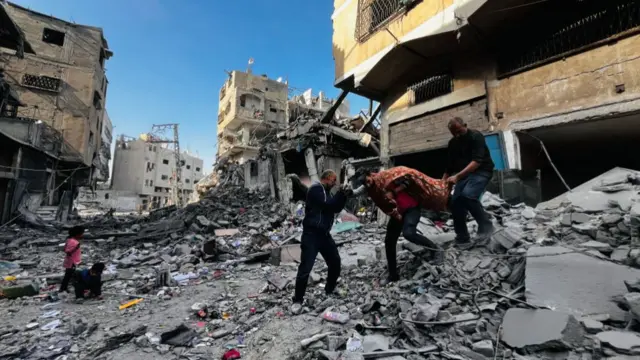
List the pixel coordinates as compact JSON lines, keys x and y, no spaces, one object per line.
{"x":466,"y":199}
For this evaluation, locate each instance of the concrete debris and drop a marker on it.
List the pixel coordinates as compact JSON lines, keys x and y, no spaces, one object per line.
{"x":219,"y":274}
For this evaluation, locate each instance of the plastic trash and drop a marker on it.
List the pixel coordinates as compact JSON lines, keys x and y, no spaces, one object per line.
{"x":51,"y":326}
{"x":50,"y":314}
{"x":354,"y":343}
{"x":130,"y":304}
{"x":336,"y":317}
{"x":184,"y":278}
{"x":231,"y":355}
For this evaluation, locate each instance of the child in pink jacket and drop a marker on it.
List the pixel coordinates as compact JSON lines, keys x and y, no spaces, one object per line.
{"x":72,"y":256}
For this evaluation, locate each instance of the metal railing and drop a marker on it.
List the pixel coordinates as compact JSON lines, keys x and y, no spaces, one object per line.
{"x":41,"y":82}
{"x":373,"y":14}
{"x":431,"y":88}
{"x":589,"y":24}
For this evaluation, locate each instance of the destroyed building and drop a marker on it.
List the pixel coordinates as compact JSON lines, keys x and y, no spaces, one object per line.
{"x":102,"y":173}
{"x":61,"y":82}
{"x":147,"y":171}
{"x":526,"y":73}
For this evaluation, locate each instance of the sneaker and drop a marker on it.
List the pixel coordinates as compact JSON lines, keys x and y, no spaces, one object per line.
{"x":296,"y":308}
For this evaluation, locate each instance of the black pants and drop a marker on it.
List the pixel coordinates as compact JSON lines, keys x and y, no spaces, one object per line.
{"x":68,"y":274}
{"x":79,"y":286}
{"x":408,"y":227}
{"x":312,"y":244}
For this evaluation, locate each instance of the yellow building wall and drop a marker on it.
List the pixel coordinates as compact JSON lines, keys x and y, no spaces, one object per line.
{"x":578,"y":82}
{"x":348,"y":52}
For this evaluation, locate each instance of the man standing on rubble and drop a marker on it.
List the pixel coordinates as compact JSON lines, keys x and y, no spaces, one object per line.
{"x":320,"y":210}
{"x":401,"y":193}
{"x":469,"y":168}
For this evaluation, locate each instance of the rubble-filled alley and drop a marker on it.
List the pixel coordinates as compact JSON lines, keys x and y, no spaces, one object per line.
{"x":214,"y":280}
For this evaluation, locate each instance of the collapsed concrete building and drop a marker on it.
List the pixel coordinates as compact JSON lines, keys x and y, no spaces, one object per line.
{"x":53,"y":101}
{"x":523,"y":72}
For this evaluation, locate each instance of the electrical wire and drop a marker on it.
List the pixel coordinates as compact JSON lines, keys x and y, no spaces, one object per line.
{"x":553,"y":165}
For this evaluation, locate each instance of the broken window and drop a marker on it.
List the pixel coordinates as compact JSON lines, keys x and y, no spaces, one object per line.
{"x":188,"y":167}
{"x":197,"y":169}
{"x":164,"y":177}
{"x":273,"y":110}
{"x":187,"y":181}
{"x":146,"y":182}
{"x":150,"y":182}
{"x":588,"y":23}
{"x":97,"y":100}
{"x":165,"y":161}
{"x":41,"y":82}
{"x":91,"y":138}
{"x":373,"y":14}
{"x":106,"y":196}
{"x":254,"y":168}
{"x":431,"y":87}
{"x":54,"y":37}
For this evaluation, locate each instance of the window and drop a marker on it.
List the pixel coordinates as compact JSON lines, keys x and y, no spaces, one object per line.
{"x":146,"y":182}
{"x":150,"y":182}
{"x":54,"y":37}
{"x":197,"y":169}
{"x":567,"y":31}
{"x":102,"y":51}
{"x":164,"y":177}
{"x":431,"y":87}
{"x":155,"y":149}
{"x":41,"y":82}
{"x":254,"y":168}
{"x":150,"y":148}
{"x":165,"y":161}
{"x":188,"y":167}
{"x":106,"y":196}
{"x":187,"y":181}
{"x":97,"y":100}
{"x":373,"y":14}
{"x":91,"y":138}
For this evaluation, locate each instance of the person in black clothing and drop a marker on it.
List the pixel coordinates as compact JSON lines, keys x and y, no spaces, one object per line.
{"x":89,"y":279}
{"x":320,"y":210}
{"x":470,"y":168}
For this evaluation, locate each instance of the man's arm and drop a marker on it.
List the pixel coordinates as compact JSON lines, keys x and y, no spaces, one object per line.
{"x":316,"y":196}
{"x":69,"y":250}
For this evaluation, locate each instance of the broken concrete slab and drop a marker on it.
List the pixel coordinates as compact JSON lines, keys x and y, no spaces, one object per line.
{"x":575,"y":283}
{"x":592,"y":326}
{"x":597,"y":245}
{"x":506,"y":238}
{"x":621,"y":253}
{"x":624,"y":342}
{"x":375,"y":342}
{"x":226,"y":232}
{"x":544,"y":330}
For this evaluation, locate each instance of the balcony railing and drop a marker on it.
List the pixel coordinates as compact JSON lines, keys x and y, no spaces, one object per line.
{"x":41,"y":82}
{"x":590,"y":23}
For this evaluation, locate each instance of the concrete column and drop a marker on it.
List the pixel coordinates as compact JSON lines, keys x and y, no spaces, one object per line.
{"x":310,"y":160}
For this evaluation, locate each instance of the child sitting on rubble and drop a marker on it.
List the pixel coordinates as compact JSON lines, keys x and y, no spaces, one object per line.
{"x":72,"y":256}
{"x":89,"y":280}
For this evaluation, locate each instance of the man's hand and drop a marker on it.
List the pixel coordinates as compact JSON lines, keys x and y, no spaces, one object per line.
{"x":453,"y":179}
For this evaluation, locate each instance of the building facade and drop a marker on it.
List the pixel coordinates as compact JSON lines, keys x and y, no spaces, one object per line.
{"x":63,"y":82}
{"x":148,"y":170}
{"x":102,"y":173}
{"x":251,"y":108}
{"x":538,"y":78}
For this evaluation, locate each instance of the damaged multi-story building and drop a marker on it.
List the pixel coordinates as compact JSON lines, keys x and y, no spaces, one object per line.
{"x":146,"y":171}
{"x":102,"y":173}
{"x":53,"y":71}
{"x":553,"y":85}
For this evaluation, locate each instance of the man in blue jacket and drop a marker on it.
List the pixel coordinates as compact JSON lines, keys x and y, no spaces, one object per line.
{"x":321,"y":208}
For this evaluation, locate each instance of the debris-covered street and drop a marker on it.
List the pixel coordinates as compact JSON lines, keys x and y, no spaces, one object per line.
{"x":558,"y":281}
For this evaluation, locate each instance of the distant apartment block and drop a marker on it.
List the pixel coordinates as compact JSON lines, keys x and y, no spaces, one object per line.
{"x":148,"y":170}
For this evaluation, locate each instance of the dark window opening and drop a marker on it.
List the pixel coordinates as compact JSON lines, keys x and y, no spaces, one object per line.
{"x":102,"y":57}
{"x":431,"y":88}
{"x":253,"y":168}
{"x":187,"y":181}
{"x":188,"y":167}
{"x":373,"y":14}
{"x":273,"y":110}
{"x":165,"y":161}
{"x":54,"y":37}
{"x":97,"y":100}
{"x":243,"y":101}
{"x":41,"y":82}
{"x":106,"y":196}
{"x":587,"y":24}
{"x":164,"y":177}
{"x":197,"y":169}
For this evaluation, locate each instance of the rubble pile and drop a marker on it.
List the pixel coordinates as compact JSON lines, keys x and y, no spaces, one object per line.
{"x":215,"y":279}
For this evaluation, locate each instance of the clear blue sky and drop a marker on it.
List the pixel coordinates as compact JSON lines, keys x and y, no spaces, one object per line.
{"x":170,"y":55}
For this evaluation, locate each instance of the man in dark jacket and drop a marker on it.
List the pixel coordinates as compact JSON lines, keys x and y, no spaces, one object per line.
{"x":470,"y":168}
{"x":89,"y":279}
{"x":321,"y":208}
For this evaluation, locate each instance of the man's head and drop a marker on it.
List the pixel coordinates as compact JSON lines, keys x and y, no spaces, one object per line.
{"x":328,"y":178}
{"x":457,"y":127}
{"x":360,"y":177}
{"x":97,"y":268}
{"x":76,"y":232}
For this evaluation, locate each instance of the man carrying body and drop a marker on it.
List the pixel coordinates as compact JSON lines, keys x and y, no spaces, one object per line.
{"x":401,"y":193}
{"x":320,"y":211}
{"x":470,"y":168}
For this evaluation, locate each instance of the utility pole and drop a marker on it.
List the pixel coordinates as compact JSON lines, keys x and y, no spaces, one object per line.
{"x":155,"y":136}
